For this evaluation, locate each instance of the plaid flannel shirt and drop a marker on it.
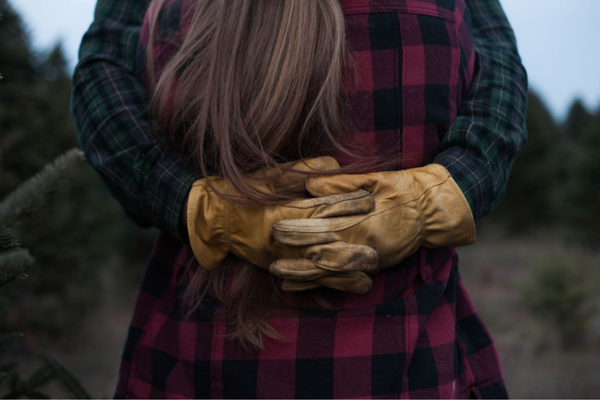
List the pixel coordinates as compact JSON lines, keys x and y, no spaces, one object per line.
{"x":416,"y":334}
{"x":109,"y":108}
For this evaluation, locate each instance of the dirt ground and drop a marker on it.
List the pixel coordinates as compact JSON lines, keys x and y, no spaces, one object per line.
{"x":495,"y":270}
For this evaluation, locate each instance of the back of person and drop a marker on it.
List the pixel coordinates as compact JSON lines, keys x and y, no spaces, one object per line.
{"x":412,"y":61}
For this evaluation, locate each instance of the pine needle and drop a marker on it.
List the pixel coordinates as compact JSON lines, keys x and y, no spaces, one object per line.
{"x":6,"y":369}
{"x":40,"y":377}
{"x":8,"y":241}
{"x":12,"y":266}
{"x":66,"y":379}
{"x":8,"y":339}
{"x":33,"y":191}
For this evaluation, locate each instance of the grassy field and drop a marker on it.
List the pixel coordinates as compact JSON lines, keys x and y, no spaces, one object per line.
{"x":500,"y":274}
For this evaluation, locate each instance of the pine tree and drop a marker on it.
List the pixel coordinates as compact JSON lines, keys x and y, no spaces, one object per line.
{"x":13,"y":261}
{"x":579,"y":199}
{"x":82,"y":226}
{"x":527,"y":203}
{"x":15,"y":42}
{"x":75,"y":224}
{"x":577,"y":120}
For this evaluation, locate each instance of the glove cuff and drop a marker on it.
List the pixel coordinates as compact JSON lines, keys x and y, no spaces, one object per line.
{"x":447,"y":217}
{"x":206,"y":227}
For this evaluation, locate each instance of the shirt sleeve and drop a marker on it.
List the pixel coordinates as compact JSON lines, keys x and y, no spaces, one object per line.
{"x":482,"y":143}
{"x":110,"y":112}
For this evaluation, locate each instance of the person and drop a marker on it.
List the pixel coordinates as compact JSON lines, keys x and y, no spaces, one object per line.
{"x":410,"y":336}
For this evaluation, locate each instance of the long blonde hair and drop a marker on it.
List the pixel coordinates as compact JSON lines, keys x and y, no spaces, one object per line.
{"x":255,"y":83}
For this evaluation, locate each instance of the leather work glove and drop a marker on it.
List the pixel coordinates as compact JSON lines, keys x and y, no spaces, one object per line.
{"x":413,"y":208}
{"x":217,"y":227}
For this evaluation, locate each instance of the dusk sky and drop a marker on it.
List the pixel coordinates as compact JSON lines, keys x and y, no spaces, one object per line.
{"x":558,"y":41}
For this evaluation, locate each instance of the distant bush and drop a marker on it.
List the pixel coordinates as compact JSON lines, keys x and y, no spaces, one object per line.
{"x":562,"y":295}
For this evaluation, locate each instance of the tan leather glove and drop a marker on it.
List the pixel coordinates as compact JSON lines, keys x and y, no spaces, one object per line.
{"x":217,"y":226}
{"x":413,"y":208}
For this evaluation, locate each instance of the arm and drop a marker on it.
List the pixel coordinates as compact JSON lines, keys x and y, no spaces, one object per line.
{"x":484,"y":140}
{"x":477,"y":152}
{"x":110,"y":112}
{"x":109,"y":108}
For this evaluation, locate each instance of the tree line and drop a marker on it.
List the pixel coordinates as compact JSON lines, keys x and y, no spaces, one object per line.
{"x":555,"y":181}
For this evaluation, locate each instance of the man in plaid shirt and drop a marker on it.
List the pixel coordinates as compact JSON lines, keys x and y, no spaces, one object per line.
{"x":110,"y":111}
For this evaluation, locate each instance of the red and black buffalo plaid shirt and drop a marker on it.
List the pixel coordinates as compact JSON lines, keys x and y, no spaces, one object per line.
{"x":416,"y":334}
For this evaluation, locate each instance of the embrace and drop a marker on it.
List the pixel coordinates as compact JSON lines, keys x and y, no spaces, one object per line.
{"x":312,"y":165}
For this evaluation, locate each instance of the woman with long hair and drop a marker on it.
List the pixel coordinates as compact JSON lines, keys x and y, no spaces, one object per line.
{"x":241,"y":88}
{"x":320,"y":260}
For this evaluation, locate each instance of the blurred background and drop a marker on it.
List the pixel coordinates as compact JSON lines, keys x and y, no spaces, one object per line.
{"x":533,"y":273}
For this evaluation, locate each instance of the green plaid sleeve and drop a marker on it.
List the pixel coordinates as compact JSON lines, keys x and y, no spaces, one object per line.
{"x":482,"y":143}
{"x":109,"y":108}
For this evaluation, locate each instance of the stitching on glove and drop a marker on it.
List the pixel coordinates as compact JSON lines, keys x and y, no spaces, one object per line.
{"x":288,"y":225}
{"x":327,"y":200}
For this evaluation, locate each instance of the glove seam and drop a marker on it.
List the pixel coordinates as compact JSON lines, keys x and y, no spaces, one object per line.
{"x":356,"y":220}
{"x":466,"y":210}
{"x":206,"y":187}
{"x":228,"y":216}
{"x":310,"y":203}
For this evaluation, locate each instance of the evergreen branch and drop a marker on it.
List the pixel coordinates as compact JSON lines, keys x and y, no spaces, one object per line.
{"x":6,"y":369}
{"x":67,"y":380}
{"x":40,"y":377}
{"x":8,"y":339}
{"x":36,"y":188}
{"x":15,"y":385}
{"x":17,"y":388}
{"x":8,"y":240}
{"x":12,"y":266}
{"x":9,"y":367}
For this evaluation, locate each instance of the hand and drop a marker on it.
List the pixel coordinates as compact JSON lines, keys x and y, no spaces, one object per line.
{"x":217,"y":226}
{"x":413,"y":208}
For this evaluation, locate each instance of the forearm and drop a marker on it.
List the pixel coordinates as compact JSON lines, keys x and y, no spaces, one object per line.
{"x":484,"y":140}
{"x":109,"y":109}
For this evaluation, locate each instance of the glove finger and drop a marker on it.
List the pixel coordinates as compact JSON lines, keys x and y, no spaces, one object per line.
{"x":345,"y":204}
{"x":301,"y":269}
{"x":357,"y":202}
{"x":324,"y":260}
{"x":319,"y":186}
{"x":339,"y":205}
{"x":298,"y":286}
{"x":309,"y":232}
{"x":340,"y":256}
{"x":316,"y":164}
{"x":352,"y":282}
{"x":295,"y":179}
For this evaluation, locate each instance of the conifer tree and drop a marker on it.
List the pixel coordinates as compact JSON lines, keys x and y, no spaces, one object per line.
{"x":34,"y":127}
{"x":13,"y":261}
{"x":577,"y":120}
{"x":580,"y":197}
{"x":82,"y":226}
{"x":527,"y":203}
